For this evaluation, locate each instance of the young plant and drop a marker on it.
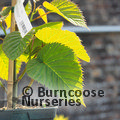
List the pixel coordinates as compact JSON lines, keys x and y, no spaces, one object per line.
{"x":50,"y":53}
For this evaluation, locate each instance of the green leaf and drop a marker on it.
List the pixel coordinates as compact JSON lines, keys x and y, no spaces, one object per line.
{"x":35,"y":51}
{"x":6,"y":16}
{"x":5,"y":11}
{"x":28,"y":8}
{"x":79,"y":87}
{"x":55,"y":67}
{"x":67,"y":10}
{"x":4,"y":62}
{"x":8,"y":20}
{"x":37,"y":44}
{"x":65,"y":37}
{"x":14,"y":45}
{"x":57,"y":25}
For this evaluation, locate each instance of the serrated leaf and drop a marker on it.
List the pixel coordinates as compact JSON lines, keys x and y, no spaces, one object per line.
{"x":22,"y":58}
{"x":65,"y":37}
{"x":14,"y":45}
{"x":55,"y":67}
{"x":4,"y":62}
{"x":7,"y":16}
{"x":28,"y":8}
{"x":42,"y":14}
{"x":5,"y":11}
{"x":79,"y":86}
{"x":3,"y":65}
{"x":68,"y":10}
{"x":57,"y":25}
{"x":37,"y":43}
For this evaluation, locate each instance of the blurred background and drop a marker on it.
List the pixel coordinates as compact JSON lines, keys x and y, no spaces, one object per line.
{"x":103,"y":72}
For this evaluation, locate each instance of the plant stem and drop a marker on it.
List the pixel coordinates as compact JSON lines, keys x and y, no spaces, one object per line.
{"x":15,"y":86}
{"x":5,"y":89}
{"x":33,"y":12}
{"x":20,"y":77}
{"x":1,"y":39}
{"x":34,"y":7}
{"x":33,"y":42}
{"x":41,"y":16}
{"x":3,"y":29}
{"x":31,"y":16}
{"x":3,"y":86}
{"x":30,"y":84}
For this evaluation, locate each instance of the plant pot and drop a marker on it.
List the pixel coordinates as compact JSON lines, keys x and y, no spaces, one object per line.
{"x":29,"y":114}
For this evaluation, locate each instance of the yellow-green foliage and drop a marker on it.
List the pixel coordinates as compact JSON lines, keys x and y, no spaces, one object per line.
{"x":51,"y":53}
{"x":67,"y":38}
{"x":4,"y":64}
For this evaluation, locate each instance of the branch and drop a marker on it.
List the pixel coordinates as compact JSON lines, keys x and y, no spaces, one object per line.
{"x":3,"y":29}
{"x":1,"y":38}
{"x":3,"y":86}
{"x":33,"y":42}
{"x":30,"y":84}
{"x":41,"y":16}
{"x":21,"y":76}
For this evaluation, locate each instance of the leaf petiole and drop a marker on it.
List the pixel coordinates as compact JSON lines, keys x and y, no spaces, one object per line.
{"x":41,"y":16}
{"x":21,"y":76}
{"x":1,"y":39}
{"x":30,"y":84}
{"x":3,"y":86}
{"x":3,"y":29}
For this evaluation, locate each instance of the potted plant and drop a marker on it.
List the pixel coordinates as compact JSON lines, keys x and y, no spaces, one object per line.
{"x":50,"y":53}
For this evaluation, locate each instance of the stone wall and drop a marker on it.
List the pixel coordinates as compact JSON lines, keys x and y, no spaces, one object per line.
{"x":100,"y":12}
{"x":102,"y":73}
